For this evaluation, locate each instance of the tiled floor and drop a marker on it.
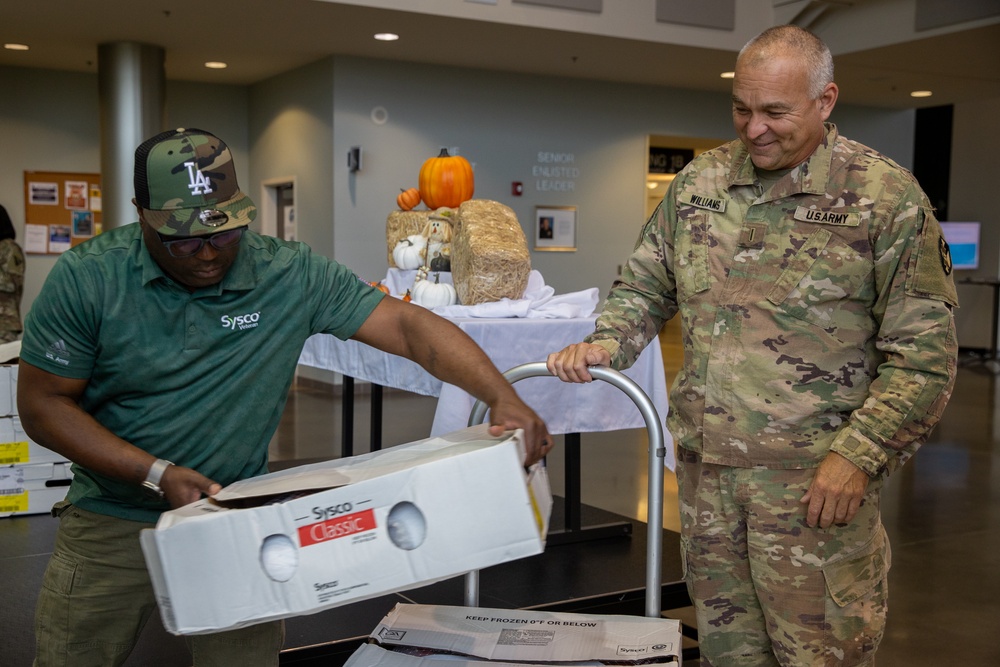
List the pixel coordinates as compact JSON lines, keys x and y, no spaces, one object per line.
{"x":942,"y":510}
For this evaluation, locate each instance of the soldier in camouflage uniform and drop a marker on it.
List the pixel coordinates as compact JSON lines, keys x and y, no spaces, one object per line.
{"x":11,"y":280}
{"x":816,"y":296}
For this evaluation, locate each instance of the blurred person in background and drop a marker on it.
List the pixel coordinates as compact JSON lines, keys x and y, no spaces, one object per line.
{"x":11,"y":280}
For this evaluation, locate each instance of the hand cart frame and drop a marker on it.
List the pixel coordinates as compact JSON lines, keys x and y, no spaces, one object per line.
{"x":657,"y":452}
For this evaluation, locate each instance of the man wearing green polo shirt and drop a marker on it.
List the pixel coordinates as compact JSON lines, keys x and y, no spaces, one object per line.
{"x":158,"y":357}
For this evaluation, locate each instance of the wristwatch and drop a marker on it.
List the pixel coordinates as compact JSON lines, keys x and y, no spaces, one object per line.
{"x":152,"y":482}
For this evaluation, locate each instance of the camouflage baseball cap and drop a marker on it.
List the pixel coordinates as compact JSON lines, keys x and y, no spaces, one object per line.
{"x":185,"y":182}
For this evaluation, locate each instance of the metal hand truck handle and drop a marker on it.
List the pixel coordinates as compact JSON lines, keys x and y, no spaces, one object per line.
{"x":657,"y":451}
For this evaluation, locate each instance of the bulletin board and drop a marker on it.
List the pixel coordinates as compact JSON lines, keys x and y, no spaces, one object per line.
{"x":61,"y":210}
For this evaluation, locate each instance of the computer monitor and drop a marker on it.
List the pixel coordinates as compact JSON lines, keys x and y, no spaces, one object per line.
{"x":963,"y":239}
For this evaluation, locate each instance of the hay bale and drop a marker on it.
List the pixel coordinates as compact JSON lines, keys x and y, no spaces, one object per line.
{"x":489,"y":254}
{"x":401,"y":224}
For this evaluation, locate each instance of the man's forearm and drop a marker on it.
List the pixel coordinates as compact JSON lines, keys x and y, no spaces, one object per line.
{"x":53,"y":418}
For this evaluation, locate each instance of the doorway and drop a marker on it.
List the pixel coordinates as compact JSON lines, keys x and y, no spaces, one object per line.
{"x":277,"y":211}
{"x":667,"y":156}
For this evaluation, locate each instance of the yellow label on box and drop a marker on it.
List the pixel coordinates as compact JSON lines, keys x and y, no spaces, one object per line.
{"x":13,"y":452}
{"x":18,"y":503}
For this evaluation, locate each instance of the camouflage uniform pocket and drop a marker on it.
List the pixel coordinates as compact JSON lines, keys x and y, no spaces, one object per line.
{"x":856,"y":609}
{"x":851,"y":578}
{"x":691,"y":272}
{"x":827,"y":283}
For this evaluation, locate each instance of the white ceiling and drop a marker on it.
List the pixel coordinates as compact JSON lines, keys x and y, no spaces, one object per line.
{"x":263,"y":38}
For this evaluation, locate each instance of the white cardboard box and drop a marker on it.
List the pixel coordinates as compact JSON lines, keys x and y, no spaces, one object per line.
{"x":9,"y":352}
{"x":533,"y":637}
{"x":323,"y":535}
{"x":8,"y":390}
{"x":16,"y":447}
{"x":33,"y":488}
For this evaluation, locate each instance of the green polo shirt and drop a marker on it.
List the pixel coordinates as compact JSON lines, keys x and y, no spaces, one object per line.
{"x":198,"y":378}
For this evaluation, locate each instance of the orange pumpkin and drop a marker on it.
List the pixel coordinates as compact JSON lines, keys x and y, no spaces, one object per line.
{"x":380,"y":286}
{"x":446,"y":180}
{"x":408,"y":199}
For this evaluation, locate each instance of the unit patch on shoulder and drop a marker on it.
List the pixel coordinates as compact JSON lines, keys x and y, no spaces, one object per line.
{"x":701,"y":201}
{"x":945,"y":255}
{"x":840,"y":218}
{"x":930,"y":272}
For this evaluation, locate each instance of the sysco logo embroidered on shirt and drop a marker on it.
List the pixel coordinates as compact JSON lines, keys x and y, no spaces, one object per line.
{"x":248,"y":321}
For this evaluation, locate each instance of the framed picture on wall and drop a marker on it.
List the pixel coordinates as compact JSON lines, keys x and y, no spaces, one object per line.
{"x":555,"y":228}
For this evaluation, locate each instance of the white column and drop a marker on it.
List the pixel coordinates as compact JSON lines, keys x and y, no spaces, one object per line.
{"x":131,"y":86}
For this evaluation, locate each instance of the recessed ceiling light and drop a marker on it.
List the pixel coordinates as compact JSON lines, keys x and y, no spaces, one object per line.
{"x":921,"y":93}
{"x":215,"y":64}
{"x":728,"y":75}
{"x":386,"y":36}
{"x":16,"y":47}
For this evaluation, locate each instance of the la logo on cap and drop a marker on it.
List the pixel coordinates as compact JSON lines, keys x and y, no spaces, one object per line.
{"x":199,"y":183}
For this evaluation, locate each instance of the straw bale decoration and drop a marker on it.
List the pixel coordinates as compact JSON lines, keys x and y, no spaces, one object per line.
{"x":489,"y":253}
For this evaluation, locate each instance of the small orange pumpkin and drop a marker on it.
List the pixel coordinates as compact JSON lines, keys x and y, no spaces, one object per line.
{"x":380,"y":286}
{"x":446,"y":180}
{"x":408,"y":199}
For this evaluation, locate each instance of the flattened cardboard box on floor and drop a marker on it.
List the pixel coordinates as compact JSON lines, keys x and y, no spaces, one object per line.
{"x":370,"y":655}
{"x":318,"y":536}
{"x":411,"y":632}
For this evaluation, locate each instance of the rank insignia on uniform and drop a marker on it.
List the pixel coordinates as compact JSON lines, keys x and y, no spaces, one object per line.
{"x":945,"y":255}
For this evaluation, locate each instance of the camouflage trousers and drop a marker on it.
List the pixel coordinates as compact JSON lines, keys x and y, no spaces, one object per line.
{"x":768,"y":590}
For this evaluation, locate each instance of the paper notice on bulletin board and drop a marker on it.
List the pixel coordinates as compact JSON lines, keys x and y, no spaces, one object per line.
{"x":36,"y":238}
{"x":76,"y":194}
{"x":43,"y":194}
{"x":61,"y":210}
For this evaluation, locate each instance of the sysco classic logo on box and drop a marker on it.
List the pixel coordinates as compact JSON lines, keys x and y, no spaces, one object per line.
{"x":335,"y":524}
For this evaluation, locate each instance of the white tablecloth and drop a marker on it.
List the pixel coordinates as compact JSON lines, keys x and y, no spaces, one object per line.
{"x":509,"y":342}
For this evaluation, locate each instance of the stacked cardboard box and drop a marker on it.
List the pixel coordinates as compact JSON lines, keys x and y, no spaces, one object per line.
{"x":423,"y":635}
{"x":32,"y":478}
{"x":33,"y":488}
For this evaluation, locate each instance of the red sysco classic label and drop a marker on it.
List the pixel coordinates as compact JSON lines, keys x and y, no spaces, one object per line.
{"x":341,"y":526}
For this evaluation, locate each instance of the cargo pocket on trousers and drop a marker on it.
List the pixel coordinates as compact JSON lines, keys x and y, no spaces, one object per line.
{"x":53,"y":612}
{"x":60,"y":575}
{"x":858,"y":599}
{"x":854,"y":576}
